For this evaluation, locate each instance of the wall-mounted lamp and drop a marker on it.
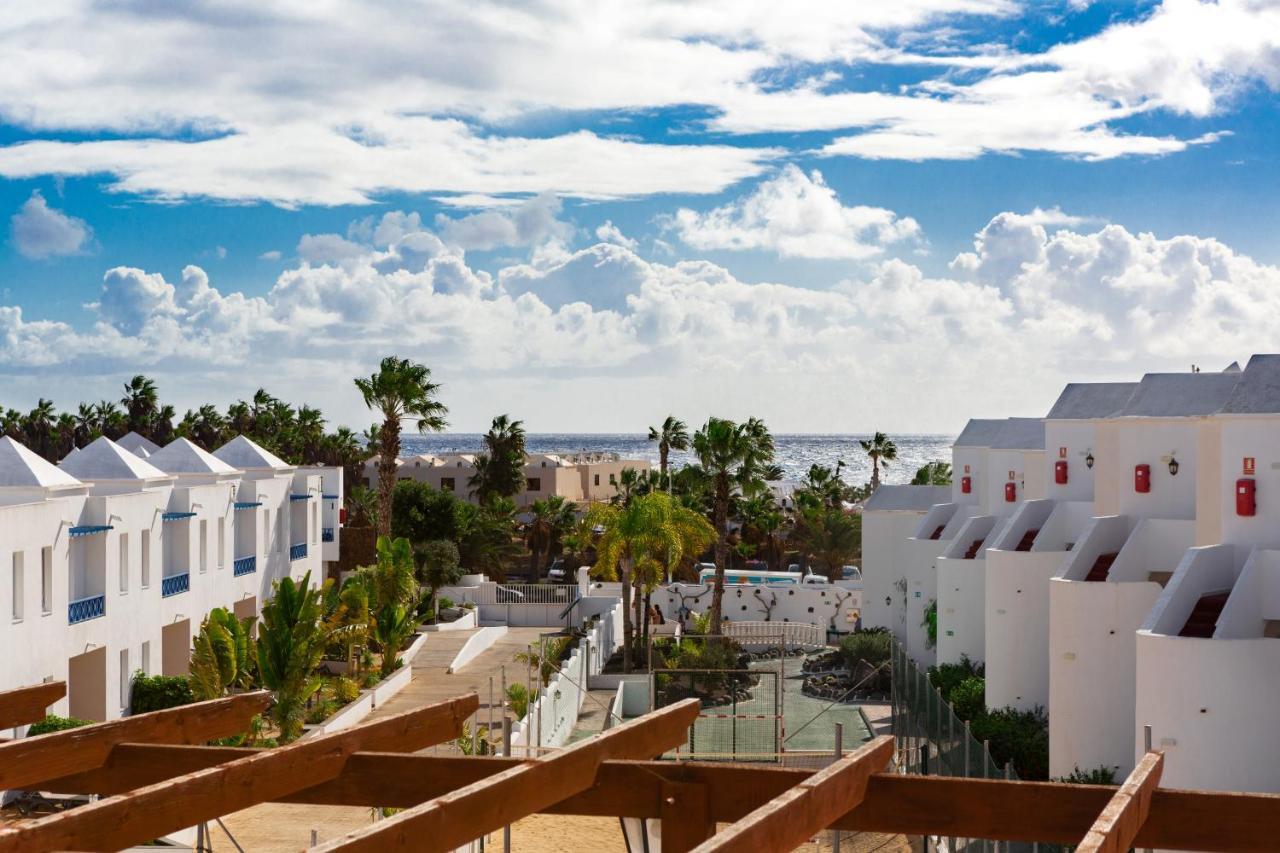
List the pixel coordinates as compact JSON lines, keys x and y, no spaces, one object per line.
{"x":1173,"y":466}
{"x":888,"y":601}
{"x":1088,"y":460}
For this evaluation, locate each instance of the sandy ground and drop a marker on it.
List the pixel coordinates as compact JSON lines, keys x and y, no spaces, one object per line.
{"x":556,"y":833}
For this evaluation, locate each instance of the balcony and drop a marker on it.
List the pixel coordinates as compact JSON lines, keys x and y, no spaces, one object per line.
{"x":175,"y":584}
{"x":244,"y":566}
{"x":84,"y":609}
{"x":326,"y":534}
{"x":298,"y":551}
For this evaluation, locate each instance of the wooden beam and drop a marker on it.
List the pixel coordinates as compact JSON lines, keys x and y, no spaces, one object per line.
{"x":974,"y":808}
{"x":790,"y":819}
{"x":457,"y":818}
{"x":156,"y":810}
{"x":28,"y":704}
{"x":686,"y":816}
{"x":26,"y":762}
{"x":1122,"y":819}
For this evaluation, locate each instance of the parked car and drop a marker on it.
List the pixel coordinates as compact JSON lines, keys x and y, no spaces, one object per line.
{"x":815,"y":580}
{"x":557,"y":573}
{"x":851,"y":573}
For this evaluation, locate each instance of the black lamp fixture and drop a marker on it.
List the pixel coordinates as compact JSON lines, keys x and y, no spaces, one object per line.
{"x":1173,"y":466}
{"x":1088,"y":460}
{"x":888,"y":601}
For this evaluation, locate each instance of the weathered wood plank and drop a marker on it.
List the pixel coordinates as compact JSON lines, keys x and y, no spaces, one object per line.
{"x":686,"y":816}
{"x":456,"y":818}
{"x":156,"y":810}
{"x":26,"y":762}
{"x":1122,"y":819}
{"x":29,"y":704}
{"x":788,"y":820}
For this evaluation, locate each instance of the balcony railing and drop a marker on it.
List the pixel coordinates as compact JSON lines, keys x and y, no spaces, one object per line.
{"x":175,"y":584}
{"x":298,"y":552}
{"x":244,"y":566}
{"x":84,"y":609}
{"x":326,"y":534}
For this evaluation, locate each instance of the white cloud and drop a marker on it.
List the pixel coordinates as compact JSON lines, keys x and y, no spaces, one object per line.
{"x":529,"y":224}
{"x":40,"y":231}
{"x":610,"y":233}
{"x":339,"y":103}
{"x":271,"y":255}
{"x":795,"y":215}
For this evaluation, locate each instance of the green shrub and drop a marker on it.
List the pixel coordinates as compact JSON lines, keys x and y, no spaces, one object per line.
{"x":968,"y":698}
{"x":54,"y":723}
{"x":345,"y":689}
{"x":321,"y":711}
{"x":157,"y":692}
{"x":1021,"y":737}
{"x":371,"y":678}
{"x":949,"y":675}
{"x":875,"y":647}
{"x":445,"y":603}
{"x":518,"y":700}
{"x":1100,"y":775}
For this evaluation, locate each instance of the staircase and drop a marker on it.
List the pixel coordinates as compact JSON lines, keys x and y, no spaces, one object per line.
{"x":937,"y":534}
{"x":1204,"y":616}
{"x":1101,"y":568}
{"x":1028,"y":539}
{"x":974,"y":549}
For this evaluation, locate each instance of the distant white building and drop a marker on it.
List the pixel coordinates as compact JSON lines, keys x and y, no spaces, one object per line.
{"x":110,"y":561}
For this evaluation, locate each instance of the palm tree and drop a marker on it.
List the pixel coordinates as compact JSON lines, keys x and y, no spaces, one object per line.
{"x":882,"y":451}
{"x":672,"y":435}
{"x":762,"y":524}
{"x":500,"y":470}
{"x":400,"y":389}
{"x":222,"y":655}
{"x":290,"y":646}
{"x":347,"y":616}
{"x":140,"y":401}
{"x":392,"y":580}
{"x":730,"y":454}
{"x":830,"y":536}
{"x":651,"y":531}
{"x":936,"y":473}
{"x":552,"y":519}
{"x":393,"y":624}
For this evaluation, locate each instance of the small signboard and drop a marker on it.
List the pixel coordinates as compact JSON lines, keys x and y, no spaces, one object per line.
{"x":966,"y":469}
{"x":1062,"y":453}
{"x":1250,"y":466}
{"x":1013,"y":475}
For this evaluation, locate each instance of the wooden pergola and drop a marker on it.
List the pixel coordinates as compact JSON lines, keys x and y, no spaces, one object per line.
{"x":155,"y":778}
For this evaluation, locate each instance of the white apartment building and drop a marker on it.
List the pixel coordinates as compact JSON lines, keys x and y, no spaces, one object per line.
{"x":110,"y":561}
{"x":1144,"y":588}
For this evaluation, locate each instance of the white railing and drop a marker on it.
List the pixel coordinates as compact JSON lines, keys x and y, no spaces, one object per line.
{"x":776,"y":633}
{"x":524,"y":593}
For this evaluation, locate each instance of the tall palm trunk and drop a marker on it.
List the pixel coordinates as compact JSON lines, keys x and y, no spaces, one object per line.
{"x":722,"y":549}
{"x":533,"y":565}
{"x":624,"y":574}
{"x":644,"y":633}
{"x":875,"y":473}
{"x":390,"y":449}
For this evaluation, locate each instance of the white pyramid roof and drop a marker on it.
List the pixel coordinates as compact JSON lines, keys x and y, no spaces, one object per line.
{"x":138,"y":445}
{"x":103,"y":459}
{"x":240,"y":452}
{"x":182,"y":456}
{"x":21,"y":468}
{"x":73,"y":452}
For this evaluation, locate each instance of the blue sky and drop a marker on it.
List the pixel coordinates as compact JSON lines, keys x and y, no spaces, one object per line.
{"x":591,"y":214}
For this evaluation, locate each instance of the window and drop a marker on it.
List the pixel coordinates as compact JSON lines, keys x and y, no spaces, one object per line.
{"x":46,"y":579}
{"x":145,"y":663}
{"x":533,"y":484}
{"x":124,"y":562}
{"x":446,"y":484}
{"x":597,"y":480}
{"x":146,"y":559}
{"x":124,"y":678}
{"x":204,"y":545}
{"x":613,"y":479}
{"x":17,"y":585}
{"x":222,"y":542}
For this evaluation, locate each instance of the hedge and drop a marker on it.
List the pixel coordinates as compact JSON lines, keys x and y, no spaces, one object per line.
{"x":157,"y":692}
{"x":54,"y":723}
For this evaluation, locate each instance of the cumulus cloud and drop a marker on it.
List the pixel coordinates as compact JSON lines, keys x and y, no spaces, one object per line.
{"x":531,"y":223}
{"x":40,"y":231}
{"x":597,"y":334}
{"x":610,"y":233}
{"x":796,"y":215}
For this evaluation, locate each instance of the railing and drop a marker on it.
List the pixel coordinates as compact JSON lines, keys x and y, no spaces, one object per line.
{"x":326,"y":534}
{"x":244,"y":566}
{"x":776,"y":633}
{"x":298,"y":551}
{"x":84,"y":609}
{"x":175,"y":584}
{"x":525,"y":593}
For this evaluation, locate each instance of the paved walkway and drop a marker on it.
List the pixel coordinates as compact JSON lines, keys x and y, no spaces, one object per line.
{"x":273,"y":827}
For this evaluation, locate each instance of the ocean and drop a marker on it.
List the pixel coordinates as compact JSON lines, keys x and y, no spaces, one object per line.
{"x":795,"y":453}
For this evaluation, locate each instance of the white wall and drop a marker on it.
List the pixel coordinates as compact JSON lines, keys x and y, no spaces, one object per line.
{"x":1154,"y":442}
{"x":1257,"y":437}
{"x":1017,"y":627}
{"x":971,"y":462}
{"x":884,"y":547}
{"x":1070,"y":441}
